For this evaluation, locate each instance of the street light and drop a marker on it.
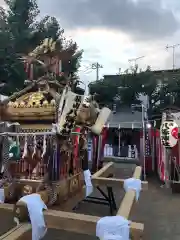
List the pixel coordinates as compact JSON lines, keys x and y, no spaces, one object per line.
{"x":148,"y":125}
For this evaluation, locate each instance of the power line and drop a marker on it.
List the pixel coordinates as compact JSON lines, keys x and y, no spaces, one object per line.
{"x":173,"y":52}
{"x":135,"y":59}
{"x":97,"y":67}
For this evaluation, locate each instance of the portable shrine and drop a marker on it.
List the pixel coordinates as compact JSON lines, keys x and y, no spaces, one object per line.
{"x":44,"y":156}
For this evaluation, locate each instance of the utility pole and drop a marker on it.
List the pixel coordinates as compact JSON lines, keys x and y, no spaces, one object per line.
{"x":135,"y":60}
{"x":96,"y":66}
{"x":173,"y":52}
{"x":174,"y":46}
{"x":119,"y":72}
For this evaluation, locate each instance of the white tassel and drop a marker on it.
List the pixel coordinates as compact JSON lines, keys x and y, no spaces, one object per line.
{"x":44,"y":147}
{"x":60,"y":107}
{"x":35,"y":145}
{"x":17,"y":140}
{"x":25,"y":147}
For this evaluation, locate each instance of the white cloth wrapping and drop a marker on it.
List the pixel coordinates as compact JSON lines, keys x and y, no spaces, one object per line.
{"x":2,"y":196}
{"x":35,"y":207}
{"x":133,"y":184}
{"x":113,"y":228}
{"x":88,"y":182}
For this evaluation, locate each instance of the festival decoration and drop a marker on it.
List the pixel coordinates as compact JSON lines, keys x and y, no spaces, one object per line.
{"x":169,"y":134}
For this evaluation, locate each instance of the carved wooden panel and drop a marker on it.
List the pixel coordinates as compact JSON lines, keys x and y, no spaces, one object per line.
{"x":63,"y":190}
{"x":74,"y":184}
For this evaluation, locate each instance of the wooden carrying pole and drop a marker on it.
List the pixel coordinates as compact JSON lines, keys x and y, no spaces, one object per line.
{"x":129,"y":198}
{"x":80,"y":223}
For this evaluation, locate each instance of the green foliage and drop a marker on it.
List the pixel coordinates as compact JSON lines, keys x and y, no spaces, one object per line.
{"x":162,"y":89}
{"x":20,"y":33}
{"x":104,"y":91}
{"x":21,"y":17}
{"x":126,"y":87}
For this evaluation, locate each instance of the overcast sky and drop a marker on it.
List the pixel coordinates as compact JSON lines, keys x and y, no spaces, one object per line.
{"x":111,"y":32}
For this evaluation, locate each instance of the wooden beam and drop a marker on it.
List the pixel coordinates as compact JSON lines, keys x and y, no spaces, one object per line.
{"x":104,"y":171}
{"x":73,"y":222}
{"x":36,"y":126}
{"x":27,"y":117}
{"x":128,"y":200}
{"x":23,"y":91}
{"x":7,"y":206}
{"x":72,"y":202}
{"x":16,"y":232}
{"x":120,"y":160}
{"x":113,"y":182}
{"x":80,"y":223}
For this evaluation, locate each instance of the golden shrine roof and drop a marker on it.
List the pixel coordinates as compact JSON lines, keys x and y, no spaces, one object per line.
{"x":33,"y":100}
{"x":32,"y":105}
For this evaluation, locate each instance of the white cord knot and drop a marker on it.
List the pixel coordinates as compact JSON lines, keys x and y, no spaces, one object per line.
{"x":113,"y":228}
{"x":133,"y":184}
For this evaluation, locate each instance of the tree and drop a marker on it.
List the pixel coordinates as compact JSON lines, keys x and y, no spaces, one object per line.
{"x":15,"y":40}
{"x":21,"y":19}
{"x":11,"y":68}
{"x":127,"y":87}
{"x":20,"y":33}
{"x":162,"y":90}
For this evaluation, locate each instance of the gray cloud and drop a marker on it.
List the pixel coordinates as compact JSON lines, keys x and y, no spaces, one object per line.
{"x":141,"y":18}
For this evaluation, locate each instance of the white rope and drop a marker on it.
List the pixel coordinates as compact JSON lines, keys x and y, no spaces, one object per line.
{"x":44,"y":146}
{"x":25,"y":147}
{"x":35,"y":147}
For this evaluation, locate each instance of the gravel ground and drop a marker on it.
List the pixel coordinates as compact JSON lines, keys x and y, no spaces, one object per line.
{"x":157,"y":208}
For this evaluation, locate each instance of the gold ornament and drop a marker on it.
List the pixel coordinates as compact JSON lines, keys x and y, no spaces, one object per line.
{"x":22,"y":104}
{"x":45,"y":103}
{"x":27,"y":190}
{"x":10,"y":104}
{"x":53,"y":102}
{"x":15,"y":104}
{"x":37,"y":104}
{"x":35,"y":98}
{"x":29,"y":105}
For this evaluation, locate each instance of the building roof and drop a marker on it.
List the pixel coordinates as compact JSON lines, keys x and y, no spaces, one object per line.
{"x":125,"y":119}
{"x":156,"y":72}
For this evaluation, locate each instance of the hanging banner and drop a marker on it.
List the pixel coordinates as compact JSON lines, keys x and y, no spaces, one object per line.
{"x":169,"y":133}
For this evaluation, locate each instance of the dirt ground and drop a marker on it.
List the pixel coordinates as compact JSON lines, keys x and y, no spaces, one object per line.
{"x":157,"y":208}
